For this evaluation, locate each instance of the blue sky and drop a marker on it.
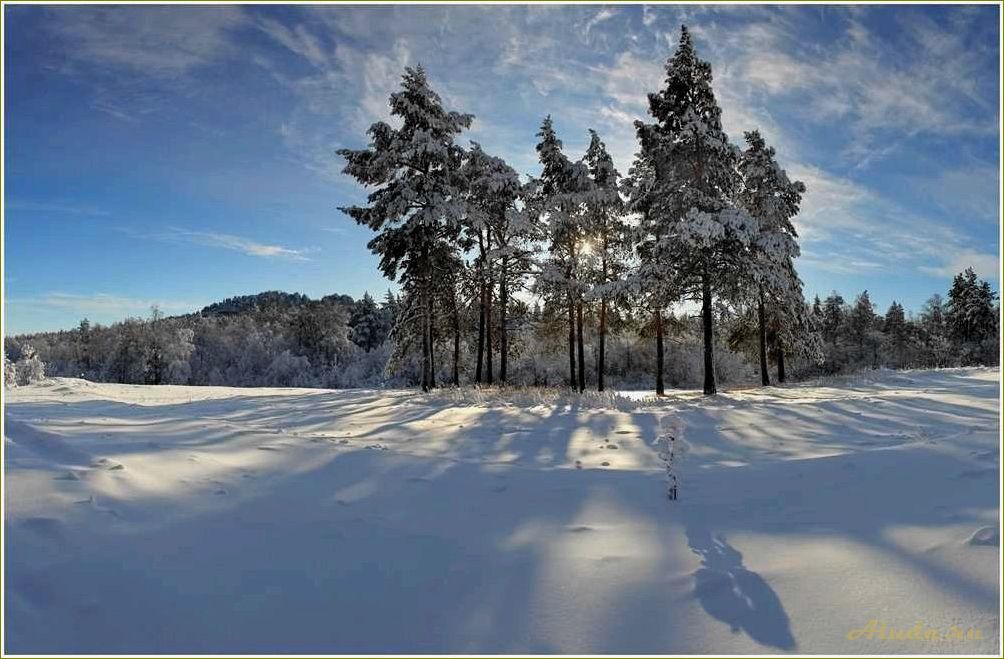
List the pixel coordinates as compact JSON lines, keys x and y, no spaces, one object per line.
{"x":181,"y":155}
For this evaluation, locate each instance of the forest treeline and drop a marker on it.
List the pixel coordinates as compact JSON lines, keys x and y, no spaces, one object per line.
{"x":281,"y":339}
{"x":680,"y":272}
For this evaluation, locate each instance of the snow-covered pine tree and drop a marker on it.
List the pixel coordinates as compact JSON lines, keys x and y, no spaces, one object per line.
{"x":833,"y":317}
{"x":861,"y":322}
{"x":707,"y":238}
{"x":506,"y":232}
{"x":559,"y":203}
{"x":652,"y":283}
{"x":972,"y":319}
{"x":608,"y":236}
{"x":897,"y":334}
{"x":773,"y":200}
{"x":418,"y":201}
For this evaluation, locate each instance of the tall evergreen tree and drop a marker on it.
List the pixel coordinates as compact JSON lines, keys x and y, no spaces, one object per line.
{"x":651,"y":284}
{"x":418,"y":202}
{"x":696,"y":180}
{"x":971,"y":317}
{"x":608,"y":236}
{"x":769,"y":196}
{"x":559,"y":202}
{"x":506,"y":233}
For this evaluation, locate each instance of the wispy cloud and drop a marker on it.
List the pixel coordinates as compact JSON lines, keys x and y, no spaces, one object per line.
{"x":985,"y":265}
{"x":103,"y":304}
{"x":224,"y":241}
{"x":237,"y":244}
{"x":150,"y":40}
{"x":848,"y":229}
{"x":860,"y":80}
{"x":57,"y":207}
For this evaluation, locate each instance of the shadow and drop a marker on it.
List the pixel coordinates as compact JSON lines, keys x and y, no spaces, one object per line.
{"x":735,"y":595}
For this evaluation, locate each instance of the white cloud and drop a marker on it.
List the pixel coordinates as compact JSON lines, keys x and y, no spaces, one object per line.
{"x":845,"y":228}
{"x":151,"y":40}
{"x":237,"y":244}
{"x":604,"y":14}
{"x":987,"y":266}
{"x":219,"y":240}
{"x":297,"y":39}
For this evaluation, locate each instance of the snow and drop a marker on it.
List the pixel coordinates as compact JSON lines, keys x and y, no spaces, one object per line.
{"x":205,"y":519}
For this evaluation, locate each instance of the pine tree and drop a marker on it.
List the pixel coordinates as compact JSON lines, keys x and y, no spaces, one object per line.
{"x":418,"y":204}
{"x":833,"y":317}
{"x":607,"y":235}
{"x":651,"y":284}
{"x":708,"y":240}
{"x":861,"y":323}
{"x":773,"y":200}
{"x":971,"y":318}
{"x":505,"y":233}
{"x":559,"y":202}
{"x":368,"y":323}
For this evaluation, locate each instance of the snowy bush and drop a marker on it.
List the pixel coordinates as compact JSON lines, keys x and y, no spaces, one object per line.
{"x":288,"y":370}
{"x":29,"y":369}
{"x":9,"y":373}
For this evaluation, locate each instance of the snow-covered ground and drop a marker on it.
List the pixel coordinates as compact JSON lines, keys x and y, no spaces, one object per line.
{"x":188,"y":520}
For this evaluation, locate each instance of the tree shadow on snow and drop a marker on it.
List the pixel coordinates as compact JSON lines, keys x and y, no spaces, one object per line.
{"x":739,"y":597}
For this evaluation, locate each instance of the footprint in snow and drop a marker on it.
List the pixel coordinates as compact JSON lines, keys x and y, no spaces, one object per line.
{"x":68,"y":476}
{"x":579,"y":529}
{"x":612,"y":446}
{"x":269,"y":448}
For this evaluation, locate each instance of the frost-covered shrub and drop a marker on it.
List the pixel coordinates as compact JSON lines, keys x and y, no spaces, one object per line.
{"x":289,"y":370}
{"x":29,"y":368}
{"x":9,"y":373}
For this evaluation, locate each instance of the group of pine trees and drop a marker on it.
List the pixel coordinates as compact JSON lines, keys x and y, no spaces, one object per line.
{"x":696,"y":219}
{"x":962,"y":330}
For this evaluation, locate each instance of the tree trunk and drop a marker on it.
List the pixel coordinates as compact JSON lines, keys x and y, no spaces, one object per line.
{"x":503,"y":329}
{"x":489,"y":364}
{"x":660,"y":387}
{"x":603,"y":341}
{"x":582,"y":356}
{"x":571,"y":342}
{"x":481,"y":334}
{"x":707,"y":322}
{"x":764,"y":375}
{"x":481,"y":308}
{"x":426,"y":320}
{"x":456,"y":340}
{"x":489,"y":288}
{"x":780,"y":363}
{"x":432,"y":345}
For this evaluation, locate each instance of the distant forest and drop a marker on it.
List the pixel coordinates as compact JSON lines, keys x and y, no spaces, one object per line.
{"x":288,"y":339}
